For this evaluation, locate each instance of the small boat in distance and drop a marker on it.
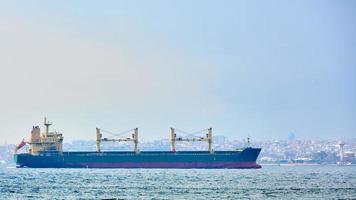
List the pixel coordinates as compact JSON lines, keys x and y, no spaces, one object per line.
{"x":46,"y":151}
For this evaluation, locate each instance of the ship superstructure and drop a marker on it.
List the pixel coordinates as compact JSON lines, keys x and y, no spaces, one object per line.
{"x":49,"y":142}
{"x":46,"y":150}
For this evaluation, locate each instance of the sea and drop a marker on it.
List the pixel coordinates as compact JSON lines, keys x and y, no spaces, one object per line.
{"x":270,"y":182}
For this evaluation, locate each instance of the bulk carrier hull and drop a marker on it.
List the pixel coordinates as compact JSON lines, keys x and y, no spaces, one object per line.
{"x":245,"y":158}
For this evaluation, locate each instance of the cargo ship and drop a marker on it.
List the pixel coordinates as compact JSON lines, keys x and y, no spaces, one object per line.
{"x":45,"y":150}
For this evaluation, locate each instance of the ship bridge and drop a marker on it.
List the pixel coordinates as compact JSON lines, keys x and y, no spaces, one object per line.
{"x":49,"y":142}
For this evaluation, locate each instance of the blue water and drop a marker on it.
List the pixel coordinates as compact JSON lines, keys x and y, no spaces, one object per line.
{"x":270,"y":182}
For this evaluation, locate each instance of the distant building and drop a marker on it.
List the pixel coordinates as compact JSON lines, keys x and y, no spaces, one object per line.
{"x":220,"y":139}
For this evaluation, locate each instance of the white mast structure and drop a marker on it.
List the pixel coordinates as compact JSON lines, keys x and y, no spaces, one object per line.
{"x":117,"y":138}
{"x":208,"y":138}
{"x":341,"y":145}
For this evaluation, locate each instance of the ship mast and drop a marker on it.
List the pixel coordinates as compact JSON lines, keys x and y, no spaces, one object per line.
{"x":208,"y":138}
{"x":134,"y":138}
{"x":47,"y":124}
{"x":98,"y":139}
{"x":173,"y":140}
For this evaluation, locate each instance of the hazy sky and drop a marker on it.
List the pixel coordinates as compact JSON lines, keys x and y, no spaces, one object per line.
{"x":243,"y":67}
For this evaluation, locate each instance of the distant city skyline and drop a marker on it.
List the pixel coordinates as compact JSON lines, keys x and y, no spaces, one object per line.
{"x":264,"y":69}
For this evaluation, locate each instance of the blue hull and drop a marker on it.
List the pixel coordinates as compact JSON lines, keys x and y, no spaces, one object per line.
{"x":149,"y":159}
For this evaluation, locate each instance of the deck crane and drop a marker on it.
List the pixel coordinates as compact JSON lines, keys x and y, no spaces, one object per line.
{"x":134,"y":138}
{"x":207,"y":138}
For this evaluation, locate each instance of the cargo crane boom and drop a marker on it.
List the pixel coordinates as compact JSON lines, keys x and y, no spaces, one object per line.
{"x":208,"y":139}
{"x":99,"y":139}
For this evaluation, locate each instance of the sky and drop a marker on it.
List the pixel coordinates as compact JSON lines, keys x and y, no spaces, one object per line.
{"x":257,"y":68}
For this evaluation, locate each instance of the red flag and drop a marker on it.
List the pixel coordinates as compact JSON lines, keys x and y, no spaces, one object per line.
{"x":20,"y":145}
